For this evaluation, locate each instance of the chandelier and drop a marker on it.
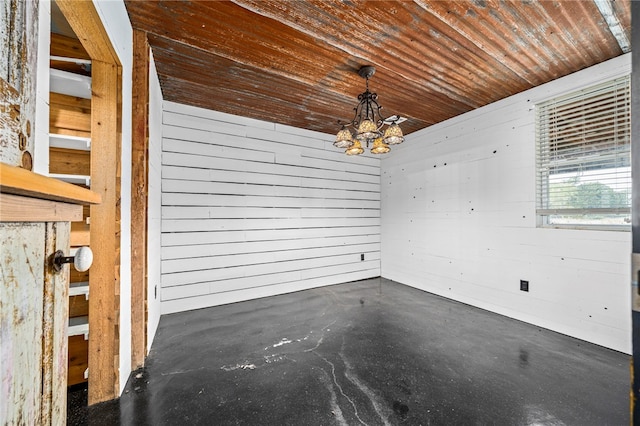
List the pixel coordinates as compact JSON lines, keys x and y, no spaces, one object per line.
{"x":368,"y":123}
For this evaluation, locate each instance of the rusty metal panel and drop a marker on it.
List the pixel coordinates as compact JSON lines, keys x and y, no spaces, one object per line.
{"x":21,"y":322}
{"x":295,"y":62}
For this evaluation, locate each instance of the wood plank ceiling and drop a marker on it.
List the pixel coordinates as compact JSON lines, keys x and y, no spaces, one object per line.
{"x":296,"y":62}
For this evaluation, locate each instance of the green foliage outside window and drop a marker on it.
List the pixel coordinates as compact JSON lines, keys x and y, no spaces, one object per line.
{"x":590,"y":195}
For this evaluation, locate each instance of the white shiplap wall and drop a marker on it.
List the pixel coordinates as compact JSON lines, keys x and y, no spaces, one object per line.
{"x":458,"y":220}
{"x":252,"y":209}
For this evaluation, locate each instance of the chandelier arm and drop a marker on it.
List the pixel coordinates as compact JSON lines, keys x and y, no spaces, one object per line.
{"x":363,"y":106}
{"x":358,"y":113}
{"x":380,"y":120}
{"x":370,"y":102}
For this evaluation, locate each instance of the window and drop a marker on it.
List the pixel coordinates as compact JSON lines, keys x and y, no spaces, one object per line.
{"x":584,"y":157}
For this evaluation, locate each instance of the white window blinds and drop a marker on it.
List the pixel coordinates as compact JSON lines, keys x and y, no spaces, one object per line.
{"x":583,"y":156}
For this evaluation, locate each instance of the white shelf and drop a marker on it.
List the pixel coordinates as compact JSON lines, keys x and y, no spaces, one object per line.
{"x":79,"y":326}
{"x":69,"y":142}
{"x":68,"y":83}
{"x":79,"y":289}
{"x":78,"y":179}
{"x":70,"y":60}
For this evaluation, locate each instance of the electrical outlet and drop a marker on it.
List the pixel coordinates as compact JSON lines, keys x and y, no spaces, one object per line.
{"x":524,"y":285}
{"x":362,"y":257}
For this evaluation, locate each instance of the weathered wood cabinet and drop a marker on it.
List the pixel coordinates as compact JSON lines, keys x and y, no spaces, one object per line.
{"x":33,"y":323}
{"x":35,"y":212}
{"x":35,"y":216}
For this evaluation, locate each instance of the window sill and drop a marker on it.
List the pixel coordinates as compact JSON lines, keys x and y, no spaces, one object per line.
{"x":614,"y":228}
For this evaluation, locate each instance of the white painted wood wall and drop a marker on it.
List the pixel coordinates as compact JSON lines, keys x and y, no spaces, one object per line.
{"x":154,"y":203}
{"x":252,"y":209}
{"x":458,"y":220}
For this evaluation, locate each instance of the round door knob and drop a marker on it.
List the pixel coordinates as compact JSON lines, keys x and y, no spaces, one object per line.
{"x":81,"y":261}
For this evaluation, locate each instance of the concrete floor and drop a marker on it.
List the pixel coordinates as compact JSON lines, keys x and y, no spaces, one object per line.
{"x":372,"y":352}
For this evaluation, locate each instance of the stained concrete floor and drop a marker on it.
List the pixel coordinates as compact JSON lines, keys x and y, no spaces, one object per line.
{"x":371,"y":352}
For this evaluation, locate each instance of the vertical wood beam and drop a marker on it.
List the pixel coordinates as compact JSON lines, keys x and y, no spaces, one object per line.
{"x":139,"y":197}
{"x":106,"y":135}
{"x":104,"y":280}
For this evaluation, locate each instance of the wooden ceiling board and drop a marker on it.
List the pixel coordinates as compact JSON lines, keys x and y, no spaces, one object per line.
{"x":235,"y":33}
{"x":622,"y":11}
{"x":240,"y":89}
{"x":405,"y":39}
{"x":296,"y":62}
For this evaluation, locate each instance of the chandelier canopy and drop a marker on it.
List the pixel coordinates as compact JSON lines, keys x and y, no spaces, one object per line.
{"x":368,"y":123}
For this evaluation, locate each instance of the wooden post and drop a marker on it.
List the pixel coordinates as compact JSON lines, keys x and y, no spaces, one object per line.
{"x":103,"y":281}
{"x":139,"y":196}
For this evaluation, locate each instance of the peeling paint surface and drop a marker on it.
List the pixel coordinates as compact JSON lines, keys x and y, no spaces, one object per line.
{"x":18,"y":49}
{"x":55,"y":323}
{"x":21,"y":320}
{"x":33,"y":324}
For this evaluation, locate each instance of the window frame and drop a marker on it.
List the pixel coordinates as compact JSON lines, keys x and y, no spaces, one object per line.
{"x":545,"y":160}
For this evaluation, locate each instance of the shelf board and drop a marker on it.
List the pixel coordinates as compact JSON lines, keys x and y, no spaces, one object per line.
{"x":18,"y":181}
{"x":79,"y":326}
{"x":79,"y":289}
{"x":69,"y":142}
{"x":71,"y":60}
{"x":68,"y":83}
{"x":77,"y":179}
